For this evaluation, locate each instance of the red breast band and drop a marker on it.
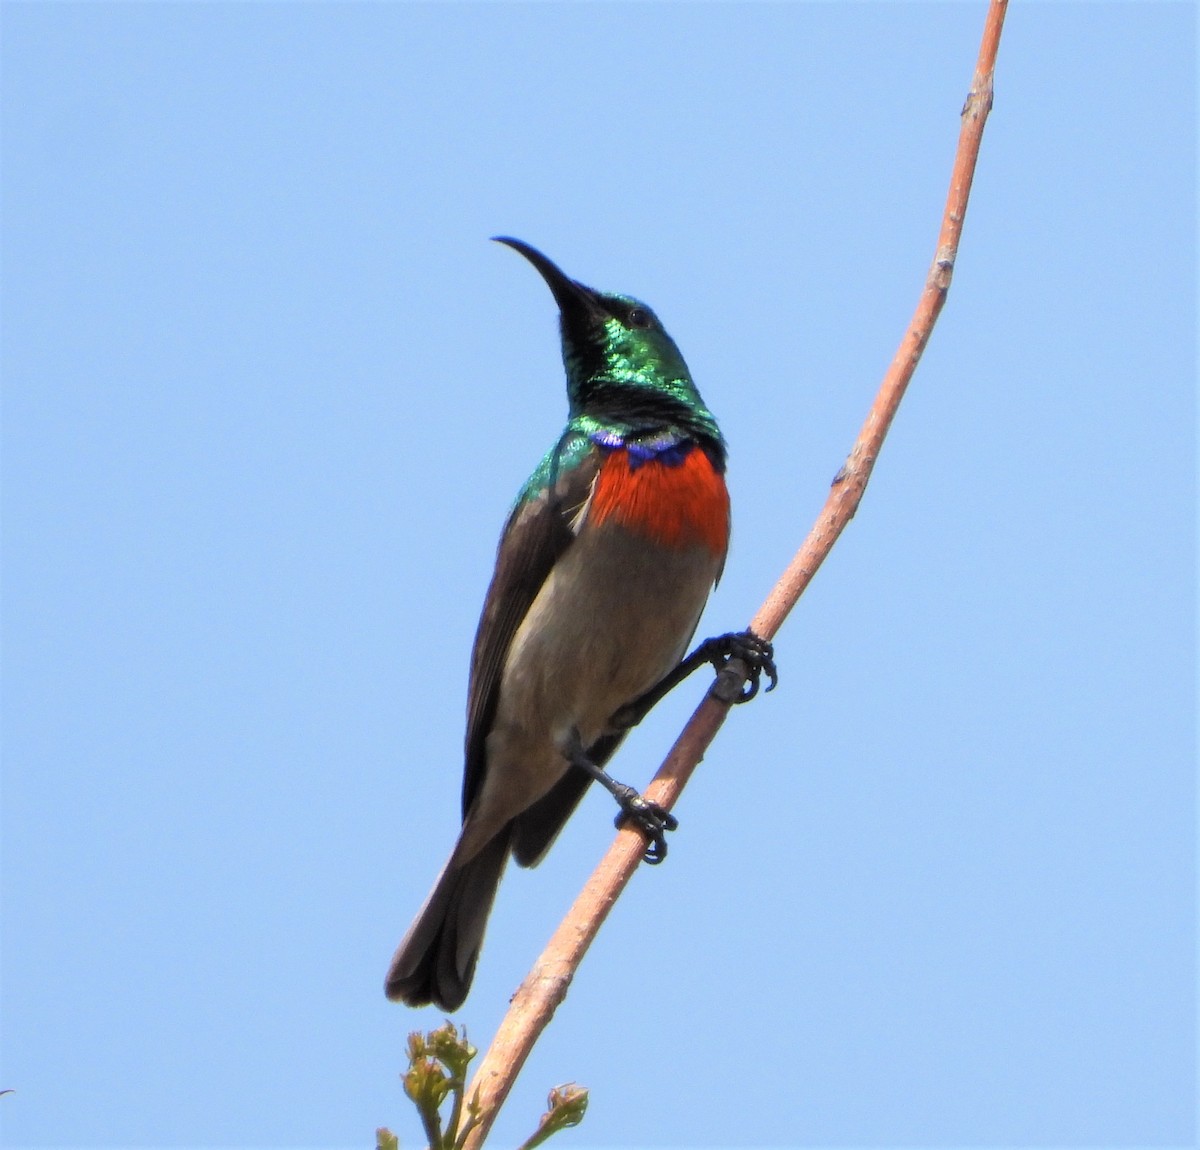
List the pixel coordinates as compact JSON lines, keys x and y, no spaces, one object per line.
{"x":677,"y":504}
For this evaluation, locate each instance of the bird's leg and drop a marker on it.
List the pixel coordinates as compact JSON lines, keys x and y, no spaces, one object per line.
{"x":740,"y":660}
{"x":651,"y":819}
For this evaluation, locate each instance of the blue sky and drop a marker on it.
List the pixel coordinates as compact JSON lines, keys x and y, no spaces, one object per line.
{"x":268,"y":393}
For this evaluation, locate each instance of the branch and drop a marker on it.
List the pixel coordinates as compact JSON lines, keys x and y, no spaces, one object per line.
{"x":546,"y":985}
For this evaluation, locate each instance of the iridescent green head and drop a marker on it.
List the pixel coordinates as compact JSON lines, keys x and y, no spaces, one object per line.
{"x":623,"y":369}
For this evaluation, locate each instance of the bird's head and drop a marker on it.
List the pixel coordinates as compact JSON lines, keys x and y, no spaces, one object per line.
{"x":621,"y":364}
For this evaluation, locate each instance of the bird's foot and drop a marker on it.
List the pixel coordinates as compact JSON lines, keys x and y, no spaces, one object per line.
{"x":649,"y":818}
{"x":740,"y":659}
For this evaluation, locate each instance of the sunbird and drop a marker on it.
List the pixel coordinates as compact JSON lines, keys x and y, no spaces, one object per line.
{"x":602,"y":571}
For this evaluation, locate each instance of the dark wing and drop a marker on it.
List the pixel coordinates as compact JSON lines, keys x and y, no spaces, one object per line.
{"x":535,"y":537}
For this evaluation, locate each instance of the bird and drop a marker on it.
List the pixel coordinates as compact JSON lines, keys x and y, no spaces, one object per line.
{"x":602,"y":571}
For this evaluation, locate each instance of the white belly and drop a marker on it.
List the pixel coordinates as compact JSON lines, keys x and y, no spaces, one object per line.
{"x":614,"y":617}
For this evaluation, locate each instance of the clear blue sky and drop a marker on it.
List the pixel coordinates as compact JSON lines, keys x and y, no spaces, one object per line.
{"x":268,"y":393}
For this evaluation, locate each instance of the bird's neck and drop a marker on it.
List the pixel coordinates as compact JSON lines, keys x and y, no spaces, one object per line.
{"x":649,"y":424}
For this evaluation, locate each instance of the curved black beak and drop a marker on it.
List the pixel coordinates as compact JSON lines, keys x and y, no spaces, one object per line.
{"x":570,"y":295}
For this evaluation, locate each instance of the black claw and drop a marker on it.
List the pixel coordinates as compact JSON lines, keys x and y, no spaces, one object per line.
{"x":757,"y":655}
{"x":651,"y":819}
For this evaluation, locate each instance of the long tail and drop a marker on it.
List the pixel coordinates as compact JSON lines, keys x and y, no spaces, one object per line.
{"x":436,"y":960}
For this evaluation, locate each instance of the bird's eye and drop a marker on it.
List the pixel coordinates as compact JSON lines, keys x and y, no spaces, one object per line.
{"x":638,"y":317}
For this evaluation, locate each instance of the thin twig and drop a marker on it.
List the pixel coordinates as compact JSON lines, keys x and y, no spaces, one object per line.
{"x":546,"y":986}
